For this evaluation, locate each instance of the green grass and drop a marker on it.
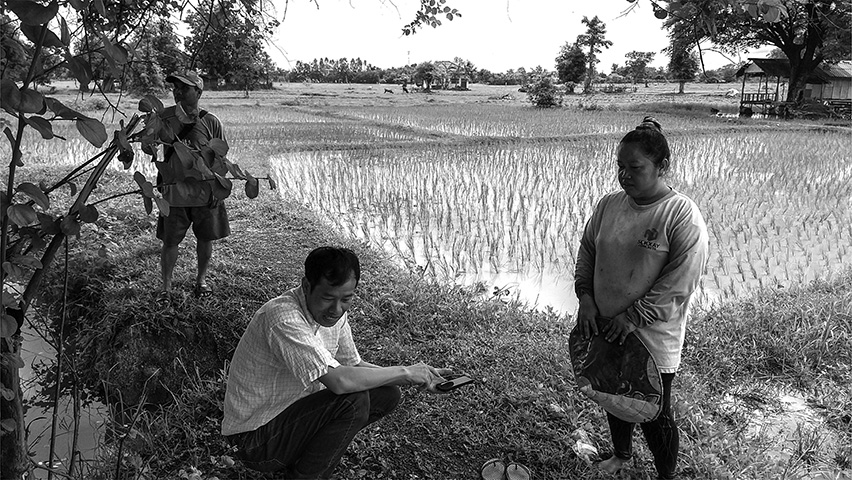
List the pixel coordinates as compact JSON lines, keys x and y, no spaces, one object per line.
{"x":524,"y":405}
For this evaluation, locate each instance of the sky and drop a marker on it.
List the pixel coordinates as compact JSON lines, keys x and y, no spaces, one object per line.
{"x":493,"y":34}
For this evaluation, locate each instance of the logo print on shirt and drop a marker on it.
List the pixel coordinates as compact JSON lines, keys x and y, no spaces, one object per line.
{"x":651,"y":234}
{"x":649,"y":243}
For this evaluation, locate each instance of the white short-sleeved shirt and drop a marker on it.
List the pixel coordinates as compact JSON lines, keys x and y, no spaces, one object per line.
{"x":279,"y":359}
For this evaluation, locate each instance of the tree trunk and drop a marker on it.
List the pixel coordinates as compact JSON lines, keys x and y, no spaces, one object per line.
{"x":680,"y":87}
{"x":13,"y":444}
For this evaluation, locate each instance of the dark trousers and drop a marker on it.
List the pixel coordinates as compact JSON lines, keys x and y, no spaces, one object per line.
{"x":661,"y":435}
{"x":308,"y":439}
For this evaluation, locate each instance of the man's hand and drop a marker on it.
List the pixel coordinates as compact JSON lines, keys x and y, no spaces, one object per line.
{"x":586,"y":314}
{"x":426,"y":377}
{"x":619,"y":328}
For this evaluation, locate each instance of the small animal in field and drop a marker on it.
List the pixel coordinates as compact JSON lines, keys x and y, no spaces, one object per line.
{"x":388,"y":90}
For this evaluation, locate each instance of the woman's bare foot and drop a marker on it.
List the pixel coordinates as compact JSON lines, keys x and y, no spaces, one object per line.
{"x":612,"y":464}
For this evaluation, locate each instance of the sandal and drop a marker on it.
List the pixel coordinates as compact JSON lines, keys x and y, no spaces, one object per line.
{"x":202,"y":290}
{"x":516,"y":471}
{"x":493,"y":469}
{"x":163,"y":299}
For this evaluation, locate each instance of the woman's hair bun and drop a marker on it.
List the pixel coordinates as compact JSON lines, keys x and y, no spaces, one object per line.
{"x":650,"y":123}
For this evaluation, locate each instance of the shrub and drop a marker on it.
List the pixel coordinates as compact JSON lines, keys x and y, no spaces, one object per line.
{"x":543,"y":93}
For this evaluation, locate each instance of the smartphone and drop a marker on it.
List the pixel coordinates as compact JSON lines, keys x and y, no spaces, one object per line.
{"x":454,"y":383}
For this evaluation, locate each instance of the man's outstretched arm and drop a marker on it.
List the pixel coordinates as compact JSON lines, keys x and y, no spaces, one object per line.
{"x":366,"y":376}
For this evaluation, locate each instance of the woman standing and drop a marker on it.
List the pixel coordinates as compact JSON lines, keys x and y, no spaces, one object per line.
{"x":641,"y":257}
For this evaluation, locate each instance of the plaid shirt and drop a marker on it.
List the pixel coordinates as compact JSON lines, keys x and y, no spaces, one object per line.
{"x":279,"y":359}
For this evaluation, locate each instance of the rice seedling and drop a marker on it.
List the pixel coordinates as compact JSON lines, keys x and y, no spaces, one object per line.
{"x":768,"y":199}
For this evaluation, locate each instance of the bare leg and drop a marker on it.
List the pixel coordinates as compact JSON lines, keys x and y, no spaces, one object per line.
{"x":168,"y":259}
{"x":204,"y":250}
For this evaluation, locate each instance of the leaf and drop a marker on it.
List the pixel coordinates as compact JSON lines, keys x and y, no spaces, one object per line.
{"x":144,"y":184}
{"x":80,"y":68}
{"x":10,"y":96}
{"x":219,"y":146}
{"x":31,"y":190}
{"x":163,"y":205}
{"x":22,"y":215}
{"x":9,"y":300}
{"x":99,"y":6}
{"x":49,"y":225}
{"x":13,"y":270}
{"x":235,"y":169}
{"x":26,"y":261}
{"x":772,"y":15}
{"x":12,"y":360}
{"x":150,"y":103}
{"x":32,"y":13}
{"x":252,"y":187}
{"x":8,"y":425}
{"x":70,"y":226}
{"x":221,"y":187}
{"x":32,"y":102}
{"x":8,"y":327}
{"x":73,"y":187}
{"x":33,"y":33}
{"x":7,"y":393}
{"x":89,"y":214}
{"x":42,"y":125}
{"x":92,"y":130}
{"x":60,"y":110}
{"x":149,"y":204}
{"x":116,"y":53}
{"x":187,"y":157}
{"x":64,"y":32}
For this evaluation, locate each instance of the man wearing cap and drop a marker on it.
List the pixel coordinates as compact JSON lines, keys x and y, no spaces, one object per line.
{"x":196,"y":207}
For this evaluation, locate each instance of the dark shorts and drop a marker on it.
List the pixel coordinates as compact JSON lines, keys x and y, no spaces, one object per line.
{"x":207,"y":224}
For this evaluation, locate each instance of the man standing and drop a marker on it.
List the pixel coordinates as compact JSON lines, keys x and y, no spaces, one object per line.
{"x":194,"y":206}
{"x":298,"y":391}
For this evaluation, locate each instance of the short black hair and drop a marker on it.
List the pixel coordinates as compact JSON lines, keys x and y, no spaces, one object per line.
{"x":649,"y":136}
{"x":336,"y":265}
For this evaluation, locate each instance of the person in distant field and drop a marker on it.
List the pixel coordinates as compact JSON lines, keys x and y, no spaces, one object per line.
{"x":641,"y":257}
{"x":298,"y":391}
{"x":404,"y":87}
{"x":206,"y":215}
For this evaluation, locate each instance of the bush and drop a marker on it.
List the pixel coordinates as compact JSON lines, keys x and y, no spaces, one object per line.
{"x":543,"y":93}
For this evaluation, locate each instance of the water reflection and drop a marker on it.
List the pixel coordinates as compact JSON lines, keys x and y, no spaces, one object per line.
{"x":39,"y":358}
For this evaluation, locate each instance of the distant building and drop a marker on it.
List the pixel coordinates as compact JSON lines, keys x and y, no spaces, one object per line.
{"x":831,"y":84}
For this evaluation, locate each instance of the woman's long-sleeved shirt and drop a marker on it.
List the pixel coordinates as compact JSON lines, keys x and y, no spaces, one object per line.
{"x":646,"y":260}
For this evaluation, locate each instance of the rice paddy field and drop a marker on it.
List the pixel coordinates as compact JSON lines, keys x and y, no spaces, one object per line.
{"x":501,"y":193}
{"x":481,"y":189}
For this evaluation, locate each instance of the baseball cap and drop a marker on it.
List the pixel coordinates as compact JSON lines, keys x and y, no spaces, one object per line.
{"x":189,"y":77}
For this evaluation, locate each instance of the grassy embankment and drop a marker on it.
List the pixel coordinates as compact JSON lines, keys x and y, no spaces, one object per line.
{"x":524,"y":405}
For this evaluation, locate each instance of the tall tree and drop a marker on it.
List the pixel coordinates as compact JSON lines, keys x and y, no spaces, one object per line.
{"x":594,"y":40}
{"x":227,"y":42}
{"x":809,"y":32}
{"x":636,"y":64}
{"x":425,"y":73}
{"x":571,"y":64}
{"x":155,"y":55}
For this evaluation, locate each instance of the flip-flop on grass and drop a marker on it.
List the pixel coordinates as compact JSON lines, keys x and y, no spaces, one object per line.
{"x":202,"y":290}
{"x":493,"y":469}
{"x":516,"y":471}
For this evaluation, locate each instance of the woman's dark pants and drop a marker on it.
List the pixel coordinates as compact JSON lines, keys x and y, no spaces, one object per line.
{"x":661,"y":435}
{"x":308,"y":439}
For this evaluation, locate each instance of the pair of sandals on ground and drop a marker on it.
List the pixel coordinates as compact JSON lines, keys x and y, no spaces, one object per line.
{"x":496,"y":469}
{"x":201,"y":290}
